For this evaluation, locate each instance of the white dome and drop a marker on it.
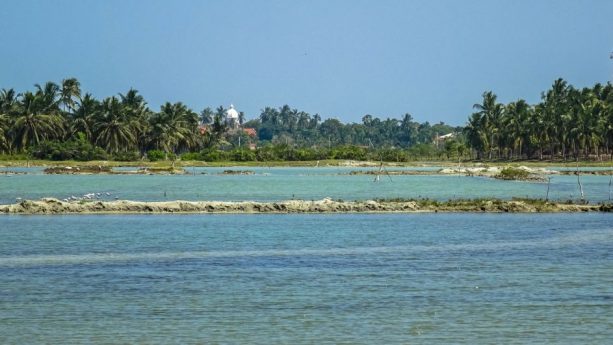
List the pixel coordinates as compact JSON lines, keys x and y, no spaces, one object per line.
{"x":231,"y":113}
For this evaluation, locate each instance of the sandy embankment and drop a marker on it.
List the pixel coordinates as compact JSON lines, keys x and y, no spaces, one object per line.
{"x":55,"y":206}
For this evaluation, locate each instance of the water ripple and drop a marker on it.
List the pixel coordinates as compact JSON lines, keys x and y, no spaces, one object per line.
{"x":580,"y":238}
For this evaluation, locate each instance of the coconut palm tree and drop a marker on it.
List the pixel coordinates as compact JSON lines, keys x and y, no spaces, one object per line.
{"x":113,"y":130}
{"x":4,"y":127}
{"x":48,"y":98}
{"x":475,"y":133}
{"x":516,"y":124}
{"x":70,"y":93}
{"x":137,"y":114}
{"x":82,"y":119}
{"x":491,"y":112}
{"x":32,"y":124}
{"x":174,"y":127}
{"x":9,"y":101}
{"x":206,"y":116}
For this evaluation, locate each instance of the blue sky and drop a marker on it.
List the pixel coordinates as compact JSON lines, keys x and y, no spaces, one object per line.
{"x":341,"y":59}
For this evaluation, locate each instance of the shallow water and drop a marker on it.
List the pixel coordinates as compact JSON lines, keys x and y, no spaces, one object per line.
{"x":304,"y":279}
{"x":274,"y":184}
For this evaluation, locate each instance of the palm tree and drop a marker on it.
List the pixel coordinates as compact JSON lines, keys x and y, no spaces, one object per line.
{"x":491,"y":113}
{"x":32,"y":125}
{"x":475,"y":133}
{"x":137,"y":114}
{"x":555,"y":107}
{"x":206,"y":116}
{"x":516,"y":124}
{"x":174,"y":127}
{"x":48,"y":98}
{"x":217,"y":130}
{"x":113,"y":130}
{"x":82,"y":120}
{"x":4,"y":127}
{"x":71,"y":89}
{"x":9,"y":101}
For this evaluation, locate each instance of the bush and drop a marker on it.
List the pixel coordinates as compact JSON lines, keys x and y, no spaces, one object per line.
{"x":214,"y":156}
{"x":155,"y":155}
{"x":513,"y":174}
{"x":242,"y":155}
{"x":128,"y":156}
{"x":393,"y":155}
{"x":78,"y":149}
{"x":348,"y":152}
{"x":191,"y":156}
{"x":265,"y":154}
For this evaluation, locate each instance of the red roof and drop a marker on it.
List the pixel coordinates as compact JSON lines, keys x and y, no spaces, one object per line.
{"x":250,"y":132}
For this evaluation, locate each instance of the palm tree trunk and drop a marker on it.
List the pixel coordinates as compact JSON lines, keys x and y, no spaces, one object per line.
{"x":541,"y":152}
{"x":551,"y":148}
{"x":564,"y":152}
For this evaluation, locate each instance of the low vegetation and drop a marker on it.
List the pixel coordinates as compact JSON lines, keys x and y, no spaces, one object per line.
{"x":511,"y":173}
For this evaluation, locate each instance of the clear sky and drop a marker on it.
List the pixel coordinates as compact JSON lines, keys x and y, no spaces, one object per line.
{"x":341,"y":59}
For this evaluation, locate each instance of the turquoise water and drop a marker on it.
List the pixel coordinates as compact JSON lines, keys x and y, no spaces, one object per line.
{"x":307,"y":279}
{"x":274,"y":184}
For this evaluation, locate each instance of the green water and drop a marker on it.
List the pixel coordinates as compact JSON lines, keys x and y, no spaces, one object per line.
{"x":273,"y":184}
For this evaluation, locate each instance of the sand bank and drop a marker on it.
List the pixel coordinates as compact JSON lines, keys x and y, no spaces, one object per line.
{"x":55,"y":206}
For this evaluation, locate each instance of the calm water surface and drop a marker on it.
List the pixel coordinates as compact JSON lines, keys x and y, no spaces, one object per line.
{"x":274,"y":184}
{"x":307,"y":279}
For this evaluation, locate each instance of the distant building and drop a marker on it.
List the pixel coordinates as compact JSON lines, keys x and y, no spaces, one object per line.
{"x":445,"y":137}
{"x":442,"y":138}
{"x":232,"y":117}
{"x":250,"y":132}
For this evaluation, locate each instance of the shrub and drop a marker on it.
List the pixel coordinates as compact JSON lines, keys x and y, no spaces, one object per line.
{"x":348,"y":152}
{"x":191,"y":156}
{"x":511,"y":173}
{"x":214,"y":156}
{"x":78,"y":149}
{"x":155,"y":155}
{"x":127,"y":156}
{"x":242,"y":155}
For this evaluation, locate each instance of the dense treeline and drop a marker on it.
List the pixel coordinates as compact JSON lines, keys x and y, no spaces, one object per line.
{"x":58,"y":121}
{"x":59,"y":117}
{"x":291,"y":126}
{"x":568,"y":123}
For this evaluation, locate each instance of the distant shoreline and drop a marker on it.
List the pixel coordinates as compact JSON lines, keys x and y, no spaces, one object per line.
{"x":320,"y":163}
{"x":54,"y":206}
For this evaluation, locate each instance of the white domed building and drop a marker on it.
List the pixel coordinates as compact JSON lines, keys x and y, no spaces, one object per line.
{"x":232,"y":117}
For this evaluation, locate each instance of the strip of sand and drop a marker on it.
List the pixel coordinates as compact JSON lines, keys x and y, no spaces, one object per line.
{"x":55,"y":206}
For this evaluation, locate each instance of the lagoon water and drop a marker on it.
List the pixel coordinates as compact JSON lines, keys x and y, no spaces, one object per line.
{"x":275,"y":184}
{"x":303,"y":279}
{"x":307,"y":279}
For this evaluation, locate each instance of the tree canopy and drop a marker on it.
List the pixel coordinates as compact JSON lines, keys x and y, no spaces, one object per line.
{"x":566,"y":123}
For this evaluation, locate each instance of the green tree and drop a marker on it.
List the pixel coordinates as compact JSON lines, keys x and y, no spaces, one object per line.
{"x":114,"y":131}
{"x":70,"y":93}
{"x":35,"y":121}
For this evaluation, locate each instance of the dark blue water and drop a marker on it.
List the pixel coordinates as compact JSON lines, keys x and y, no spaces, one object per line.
{"x":307,"y":279}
